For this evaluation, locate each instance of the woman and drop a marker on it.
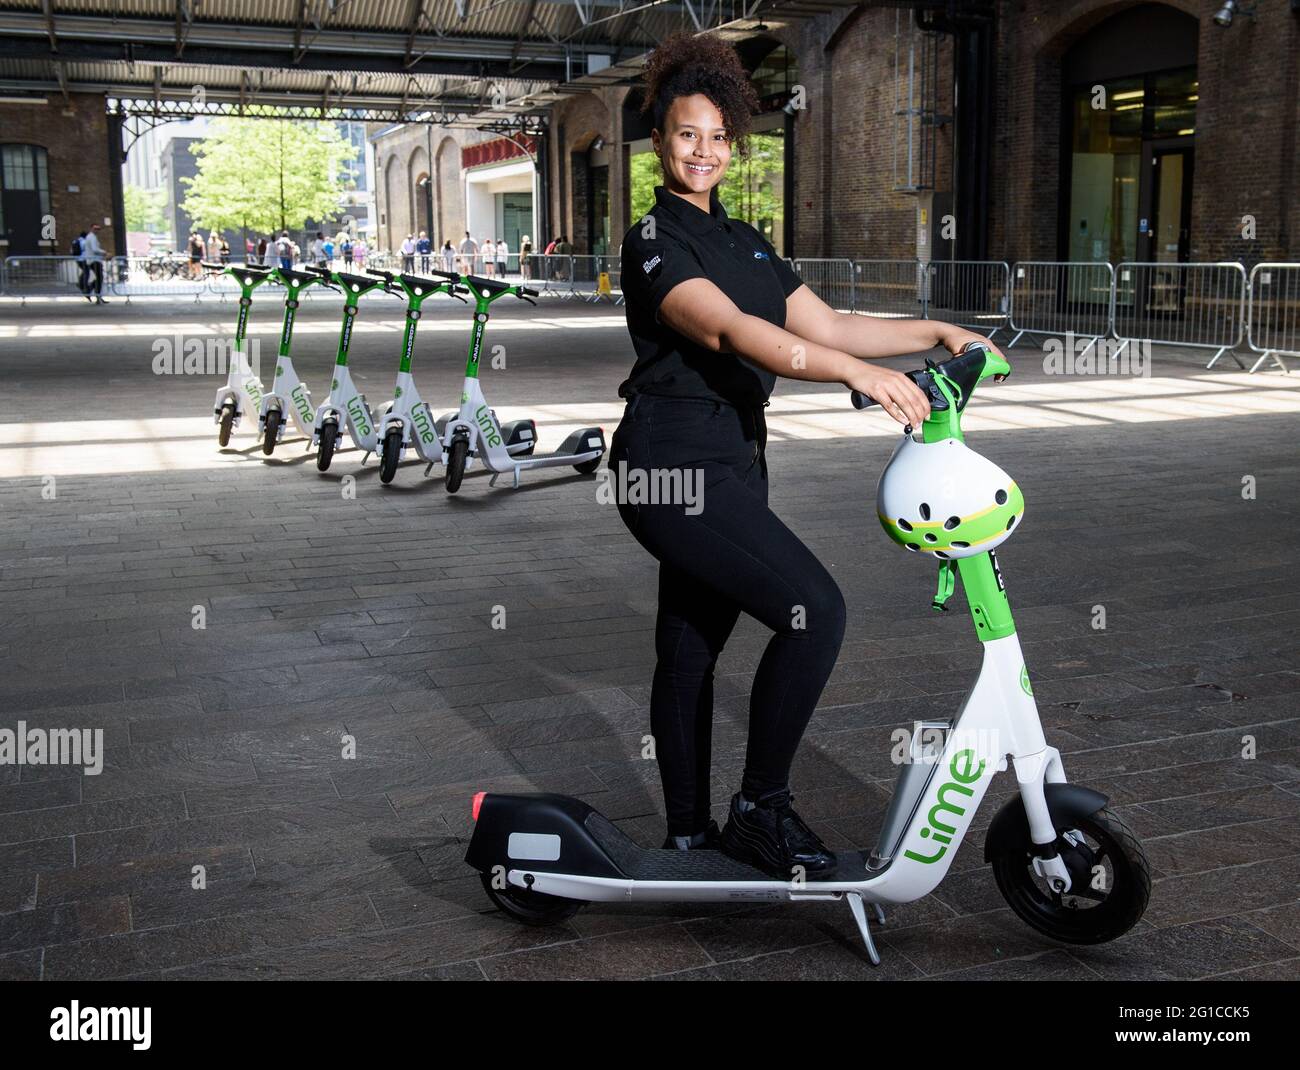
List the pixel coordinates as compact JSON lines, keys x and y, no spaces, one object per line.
{"x":448,"y":253}
{"x":715,"y":316}
{"x":526,"y":257}
{"x":503,"y":257}
{"x":488,"y":250}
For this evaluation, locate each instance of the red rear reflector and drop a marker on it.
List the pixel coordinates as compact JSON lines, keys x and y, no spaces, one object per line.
{"x":477,"y":803}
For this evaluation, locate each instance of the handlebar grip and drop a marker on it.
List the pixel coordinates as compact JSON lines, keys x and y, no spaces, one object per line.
{"x":380,"y":273}
{"x":324,"y":273}
{"x":210,"y":266}
{"x":527,"y":291}
{"x":861,"y":400}
{"x":436,"y":273}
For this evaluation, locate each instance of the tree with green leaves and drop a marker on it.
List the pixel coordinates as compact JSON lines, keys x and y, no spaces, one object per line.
{"x":267,"y":175}
{"x":145,"y":208}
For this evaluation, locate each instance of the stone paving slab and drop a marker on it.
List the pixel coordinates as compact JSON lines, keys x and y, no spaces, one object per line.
{"x":369,"y":619}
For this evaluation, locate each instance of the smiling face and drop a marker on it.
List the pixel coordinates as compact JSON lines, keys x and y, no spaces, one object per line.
{"x":694,"y":148}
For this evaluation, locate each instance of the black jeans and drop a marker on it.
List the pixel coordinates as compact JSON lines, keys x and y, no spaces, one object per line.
{"x":720,"y":555}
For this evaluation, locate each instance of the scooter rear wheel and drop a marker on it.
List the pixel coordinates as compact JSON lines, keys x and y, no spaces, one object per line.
{"x":390,"y":451}
{"x":528,"y":907}
{"x":1110,"y":878}
{"x":329,"y":435}
{"x":456,"y":463}
{"x":271,"y":433}
{"x":227,"y":423}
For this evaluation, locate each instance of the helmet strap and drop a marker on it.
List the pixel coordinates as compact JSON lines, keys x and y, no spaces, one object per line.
{"x":947,"y":584}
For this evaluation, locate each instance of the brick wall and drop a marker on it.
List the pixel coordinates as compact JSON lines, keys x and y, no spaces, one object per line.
{"x":1247,"y":149}
{"x":76,"y":140}
{"x":401,"y":156}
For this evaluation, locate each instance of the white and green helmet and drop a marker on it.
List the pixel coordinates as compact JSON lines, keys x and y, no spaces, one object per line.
{"x":944,"y":499}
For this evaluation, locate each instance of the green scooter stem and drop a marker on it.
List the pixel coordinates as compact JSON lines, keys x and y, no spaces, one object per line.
{"x":293,"y":287}
{"x":352,"y":294}
{"x":986,"y":593}
{"x":415,"y":297}
{"x":482,"y":299}
{"x":247,"y":284}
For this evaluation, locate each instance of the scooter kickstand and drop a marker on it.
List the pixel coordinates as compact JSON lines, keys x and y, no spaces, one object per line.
{"x":860,"y":916}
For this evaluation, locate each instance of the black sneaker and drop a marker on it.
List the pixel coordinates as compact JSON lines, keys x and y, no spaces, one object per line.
{"x":701,"y":841}
{"x":770,"y":836}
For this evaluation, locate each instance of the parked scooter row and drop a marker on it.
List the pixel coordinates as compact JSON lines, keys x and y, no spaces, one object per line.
{"x":458,"y":440}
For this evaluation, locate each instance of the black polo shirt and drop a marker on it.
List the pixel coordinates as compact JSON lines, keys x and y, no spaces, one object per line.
{"x":687,"y":243}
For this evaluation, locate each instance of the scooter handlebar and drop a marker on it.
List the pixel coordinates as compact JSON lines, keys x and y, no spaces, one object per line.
{"x":528,"y":291}
{"x":962,"y":369}
{"x":387,"y":276}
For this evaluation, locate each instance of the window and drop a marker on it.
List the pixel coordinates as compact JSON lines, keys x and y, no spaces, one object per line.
{"x":24,"y":191}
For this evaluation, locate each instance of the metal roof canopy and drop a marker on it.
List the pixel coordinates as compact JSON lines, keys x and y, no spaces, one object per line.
{"x":482,"y":64}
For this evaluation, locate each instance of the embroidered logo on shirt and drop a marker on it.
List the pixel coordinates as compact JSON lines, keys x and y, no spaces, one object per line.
{"x":760,"y":255}
{"x":651,"y":264}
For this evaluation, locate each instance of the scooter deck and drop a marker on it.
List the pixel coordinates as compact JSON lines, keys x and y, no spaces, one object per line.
{"x":657,"y":864}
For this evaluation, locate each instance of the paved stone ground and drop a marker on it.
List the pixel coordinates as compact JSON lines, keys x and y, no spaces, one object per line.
{"x":372,"y":617}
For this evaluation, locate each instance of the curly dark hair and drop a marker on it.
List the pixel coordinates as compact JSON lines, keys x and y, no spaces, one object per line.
{"x":685,"y":64}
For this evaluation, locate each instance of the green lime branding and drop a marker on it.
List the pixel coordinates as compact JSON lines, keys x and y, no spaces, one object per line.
{"x":964,"y":772}
{"x":487,"y":426}
{"x":299,"y":397}
{"x":358,"y":413}
{"x":1024,"y":681}
{"x":423,"y":425}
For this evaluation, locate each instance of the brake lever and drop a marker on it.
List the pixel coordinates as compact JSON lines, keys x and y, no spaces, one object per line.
{"x":528,"y":299}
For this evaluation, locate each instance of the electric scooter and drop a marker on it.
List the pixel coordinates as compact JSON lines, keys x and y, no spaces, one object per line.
{"x":242,"y":391}
{"x":473,"y":434}
{"x":288,"y":393}
{"x":1065,"y":863}
{"x":406,"y":419}
{"x":345,"y":405}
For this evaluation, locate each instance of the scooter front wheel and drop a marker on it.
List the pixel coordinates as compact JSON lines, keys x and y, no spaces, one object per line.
{"x":456,"y":463}
{"x":587,"y":467}
{"x":528,"y":907}
{"x":1109,"y":875}
{"x":329,"y":436}
{"x":227,"y":423}
{"x":389,"y":453}
{"x":272,"y":431}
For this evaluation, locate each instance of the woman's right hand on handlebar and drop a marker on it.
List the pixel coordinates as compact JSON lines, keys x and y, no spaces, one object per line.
{"x":892,"y":391}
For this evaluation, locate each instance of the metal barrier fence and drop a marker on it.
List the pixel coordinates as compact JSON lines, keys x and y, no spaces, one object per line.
{"x":1201,"y":305}
{"x":1213,"y":306}
{"x":829,"y":279}
{"x":1274,"y":327}
{"x":46,"y":276}
{"x":893,"y":289}
{"x":1058,"y":297}
{"x":971,"y":293}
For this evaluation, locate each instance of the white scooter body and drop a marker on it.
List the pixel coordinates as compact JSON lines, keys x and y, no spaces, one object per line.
{"x":930,"y":812}
{"x":487,"y":444}
{"x":243,"y":385}
{"x":290,"y":395}
{"x":347,"y":405}
{"x":411,"y":413}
